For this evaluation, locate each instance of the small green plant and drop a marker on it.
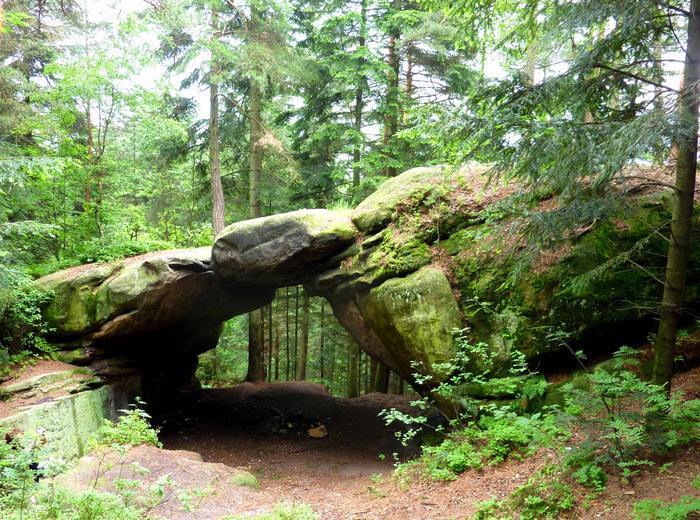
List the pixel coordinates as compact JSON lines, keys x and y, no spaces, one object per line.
{"x":245,"y":479}
{"x":591,"y":475}
{"x":664,"y":510}
{"x":544,"y":496}
{"x":131,"y":429}
{"x":296,"y":511}
{"x":621,"y":414}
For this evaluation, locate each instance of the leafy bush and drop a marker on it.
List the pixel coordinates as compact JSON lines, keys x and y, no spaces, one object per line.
{"x":621,"y":414}
{"x":131,"y":429}
{"x":591,"y":475}
{"x":543,"y":497}
{"x":665,"y":510}
{"x":490,"y":440}
{"x":101,"y":250}
{"x":450,"y":458}
{"x":21,"y":321}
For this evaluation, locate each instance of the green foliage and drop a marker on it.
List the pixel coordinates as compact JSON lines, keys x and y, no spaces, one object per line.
{"x":449,"y":459}
{"x":490,"y":440}
{"x":295,"y":511}
{"x":652,"y":509}
{"x":591,"y":475}
{"x":621,"y":414}
{"x":245,"y":479}
{"x":131,"y":429}
{"x":544,"y":496}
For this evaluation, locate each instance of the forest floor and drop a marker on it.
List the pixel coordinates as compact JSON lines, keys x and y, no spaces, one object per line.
{"x":347,"y":474}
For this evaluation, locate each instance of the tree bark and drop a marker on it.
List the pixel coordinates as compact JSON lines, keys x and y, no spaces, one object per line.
{"x":359,"y":100}
{"x":296,"y":332}
{"x":352,"y":389}
{"x":256,"y":339}
{"x":269,"y":342}
{"x":391,"y":118}
{"x":286,"y":337}
{"x":217,"y":190}
{"x":304,"y":350}
{"x":683,"y":198}
{"x":381,"y":381}
{"x":256,"y":369}
{"x":321,"y":349}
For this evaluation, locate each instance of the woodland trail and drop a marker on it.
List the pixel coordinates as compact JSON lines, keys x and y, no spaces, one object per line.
{"x":347,"y":474}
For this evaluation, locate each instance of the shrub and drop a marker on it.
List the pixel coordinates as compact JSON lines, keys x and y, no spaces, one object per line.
{"x":450,"y":458}
{"x":621,"y":414}
{"x":665,"y":510}
{"x":131,"y":429}
{"x":543,"y":497}
{"x":21,"y":321}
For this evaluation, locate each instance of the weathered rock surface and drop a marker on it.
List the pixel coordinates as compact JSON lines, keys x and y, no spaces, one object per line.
{"x":59,"y":407}
{"x":148,"y":316}
{"x":281,"y":249}
{"x":181,"y":474}
{"x":428,"y":253}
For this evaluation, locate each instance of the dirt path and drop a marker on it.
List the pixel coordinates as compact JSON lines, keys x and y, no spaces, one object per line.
{"x":347,"y":474}
{"x":263,"y":428}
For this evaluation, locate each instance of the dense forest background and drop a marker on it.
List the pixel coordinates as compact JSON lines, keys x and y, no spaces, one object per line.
{"x":148,"y":125}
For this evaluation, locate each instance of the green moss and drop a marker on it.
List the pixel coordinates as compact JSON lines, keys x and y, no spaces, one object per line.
{"x":415,"y":317}
{"x":377,"y":209}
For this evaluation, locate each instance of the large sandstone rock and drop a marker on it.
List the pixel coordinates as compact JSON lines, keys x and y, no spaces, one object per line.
{"x":152,"y":293}
{"x":145,"y":317}
{"x":281,"y":249}
{"x":415,"y":317}
{"x":429,"y":252}
{"x":508,"y":295}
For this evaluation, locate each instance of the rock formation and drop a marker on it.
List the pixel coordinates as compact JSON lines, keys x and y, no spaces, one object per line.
{"x":427,"y":254}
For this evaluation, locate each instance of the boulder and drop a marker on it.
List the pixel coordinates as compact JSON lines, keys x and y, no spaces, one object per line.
{"x":415,"y":317}
{"x":281,"y":249}
{"x":152,"y":293}
{"x":145,"y":317}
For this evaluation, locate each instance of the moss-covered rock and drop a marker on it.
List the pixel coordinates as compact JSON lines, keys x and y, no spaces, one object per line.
{"x":415,"y":317}
{"x":281,"y":249}
{"x":66,"y":423}
{"x":145,"y":317}
{"x":377,"y":210}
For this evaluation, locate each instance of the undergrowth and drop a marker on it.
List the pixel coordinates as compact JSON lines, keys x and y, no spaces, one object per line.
{"x":29,"y":489}
{"x":285,"y":511}
{"x":620,"y":422}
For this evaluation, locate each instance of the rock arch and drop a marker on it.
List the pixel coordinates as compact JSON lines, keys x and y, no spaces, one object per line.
{"x":412,"y":263}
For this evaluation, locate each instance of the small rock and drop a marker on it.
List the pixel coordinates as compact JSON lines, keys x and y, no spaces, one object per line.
{"x":317,"y":432}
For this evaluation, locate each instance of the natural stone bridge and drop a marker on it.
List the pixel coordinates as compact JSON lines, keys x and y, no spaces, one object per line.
{"x":412,"y":263}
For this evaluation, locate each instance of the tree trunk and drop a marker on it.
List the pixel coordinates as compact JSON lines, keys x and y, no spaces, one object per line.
{"x":255,"y":165}
{"x":304,"y":350}
{"x":277,"y":352}
{"x":359,"y":100}
{"x":381,"y":381}
{"x":352,"y":389}
{"x":296,"y":332}
{"x":530,"y":62}
{"x":321,"y":350}
{"x":391,"y":118}
{"x":256,"y":370}
{"x":683,"y":197}
{"x":90,"y":154}
{"x":269,"y":342}
{"x":286,"y":338}
{"x":217,"y":190}
{"x":256,"y":151}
